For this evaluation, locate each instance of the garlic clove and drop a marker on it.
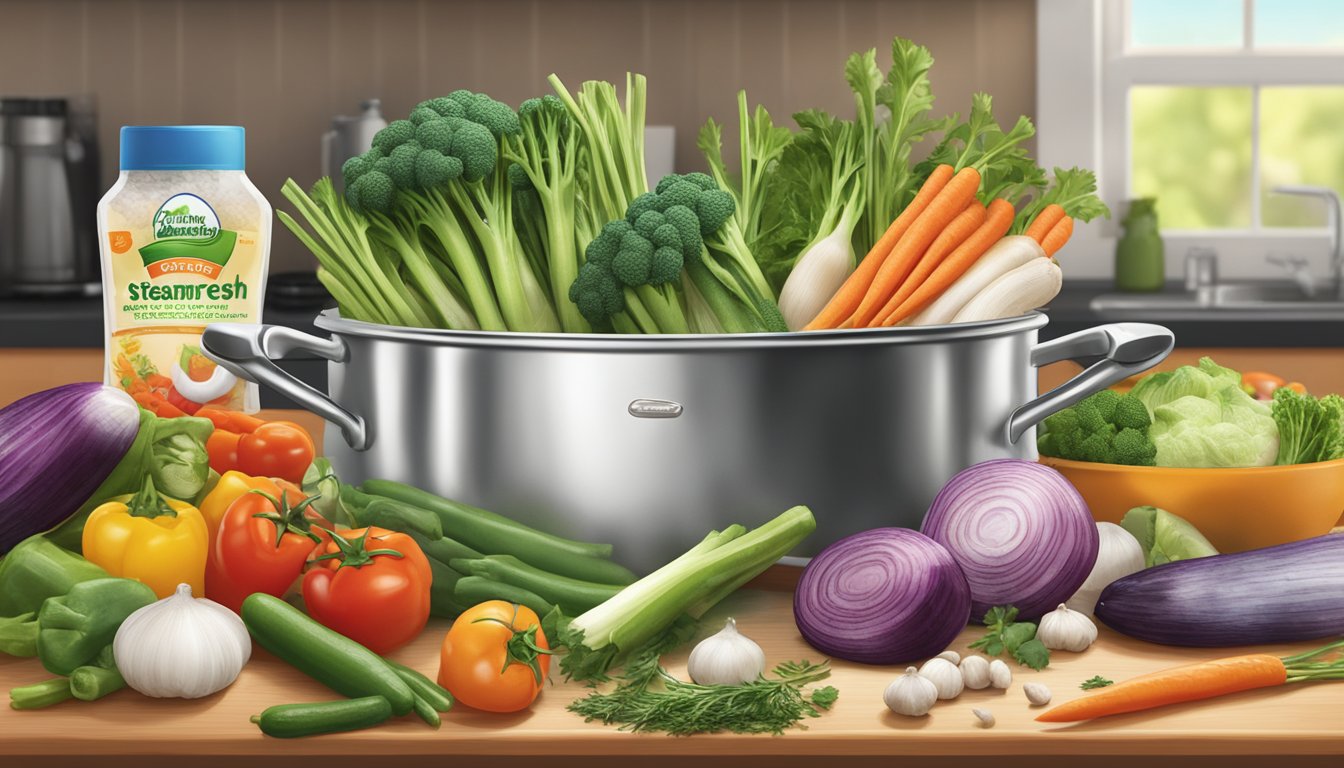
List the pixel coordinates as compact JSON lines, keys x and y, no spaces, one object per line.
{"x":1066,"y":630}
{"x":910,"y":694}
{"x":951,"y":656}
{"x":1037,"y":694}
{"x":726,"y":658}
{"x":1000,"y":675}
{"x":984,"y":718}
{"x":975,"y":672}
{"x":944,"y":675}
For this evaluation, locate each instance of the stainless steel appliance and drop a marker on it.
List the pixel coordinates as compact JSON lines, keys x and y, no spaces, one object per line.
{"x":350,"y":136}
{"x":650,"y":442}
{"x":49,"y":191}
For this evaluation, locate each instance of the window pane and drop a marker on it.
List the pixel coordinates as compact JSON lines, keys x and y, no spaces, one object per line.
{"x":1190,"y":148}
{"x":1300,"y":143}
{"x":1186,"y":23}
{"x":1299,"y":24}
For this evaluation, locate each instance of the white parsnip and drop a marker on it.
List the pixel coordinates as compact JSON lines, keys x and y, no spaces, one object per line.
{"x":1004,"y":256}
{"x":818,"y":274}
{"x":1023,"y":289}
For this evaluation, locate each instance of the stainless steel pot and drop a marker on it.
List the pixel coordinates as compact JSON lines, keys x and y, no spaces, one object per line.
{"x":651,"y":442}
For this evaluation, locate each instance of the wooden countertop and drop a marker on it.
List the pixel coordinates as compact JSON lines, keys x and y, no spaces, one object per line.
{"x":1297,"y":725}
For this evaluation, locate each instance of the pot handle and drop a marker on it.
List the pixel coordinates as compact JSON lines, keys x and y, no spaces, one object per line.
{"x":1108,"y":353}
{"x":250,"y":351}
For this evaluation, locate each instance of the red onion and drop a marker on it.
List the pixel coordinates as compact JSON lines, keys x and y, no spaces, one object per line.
{"x":1020,"y":532}
{"x":885,"y":596}
{"x":56,"y":448}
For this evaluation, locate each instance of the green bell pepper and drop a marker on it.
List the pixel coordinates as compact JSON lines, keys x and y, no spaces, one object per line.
{"x":33,"y":571}
{"x":73,"y":628}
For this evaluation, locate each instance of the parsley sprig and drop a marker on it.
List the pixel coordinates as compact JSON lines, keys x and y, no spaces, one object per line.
{"x":1096,"y":681}
{"x":1018,"y":638}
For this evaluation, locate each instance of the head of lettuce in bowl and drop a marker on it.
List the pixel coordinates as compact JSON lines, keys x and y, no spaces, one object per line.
{"x":1247,"y":473}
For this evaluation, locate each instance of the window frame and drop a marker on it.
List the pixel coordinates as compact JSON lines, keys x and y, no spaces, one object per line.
{"x":1097,"y":68}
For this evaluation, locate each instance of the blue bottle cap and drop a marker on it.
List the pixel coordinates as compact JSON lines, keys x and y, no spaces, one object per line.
{"x":182,"y":148}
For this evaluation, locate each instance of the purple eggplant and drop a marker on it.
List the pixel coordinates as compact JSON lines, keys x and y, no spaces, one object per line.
{"x":1277,"y":594}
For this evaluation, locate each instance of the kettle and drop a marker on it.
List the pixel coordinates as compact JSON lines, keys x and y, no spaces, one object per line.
{"x":349,"y":136}
{"x":48,"y":195}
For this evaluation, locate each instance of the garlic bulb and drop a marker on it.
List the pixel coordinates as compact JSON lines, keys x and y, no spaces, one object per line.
{"x":1000,"y":676}
{"x":1118,"y":555}
{"x":975,"y":672}
{"x":1037,"y":694}
{"x":984,"y":717}
{"x":1066,"y":630}
{"x":945,"y":677}
{"x":910,"y":694}
{"x":181,"y":647}
{"x":951,"y":656}
{"x":726,"y":658}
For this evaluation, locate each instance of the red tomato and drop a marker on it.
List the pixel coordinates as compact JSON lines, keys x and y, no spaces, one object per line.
{"x":262,"y":545}
{"x":371,"y":585}
{"x":495,"y":657}
{"x":276,"y":449}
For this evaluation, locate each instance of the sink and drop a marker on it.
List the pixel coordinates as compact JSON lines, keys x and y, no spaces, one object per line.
{"x":1266,"y":299}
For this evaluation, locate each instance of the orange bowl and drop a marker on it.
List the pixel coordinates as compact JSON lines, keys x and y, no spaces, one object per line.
{"x":1235,"y":509}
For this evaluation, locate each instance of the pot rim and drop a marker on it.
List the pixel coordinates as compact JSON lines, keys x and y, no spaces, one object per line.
{"x":331,"y":320}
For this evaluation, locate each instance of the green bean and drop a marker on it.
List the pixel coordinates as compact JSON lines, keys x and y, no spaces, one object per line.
{"x":443,"y":601}
{"x":39,"y":695}
{"x":93,"y":683}
{"x":572,"y":595}
{"x":473,"y":590}
{"x":395,"y":516}
{"x":434,"y":694}
{"x":444,"y":549}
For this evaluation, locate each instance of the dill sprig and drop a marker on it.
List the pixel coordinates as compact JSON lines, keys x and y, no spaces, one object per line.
{"x":647,"y":698}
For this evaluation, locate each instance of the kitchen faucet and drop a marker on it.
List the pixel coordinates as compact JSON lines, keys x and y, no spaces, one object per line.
{"x":1332,"y":215}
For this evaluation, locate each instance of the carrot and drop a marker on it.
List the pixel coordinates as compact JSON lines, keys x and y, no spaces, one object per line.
{"x":949,"y":203}
{"x":962,"y":227}
{"x":852,"y":291}
{"x":1204,"y":680}
{"x":157,"y":404}
{"x":998,"y":219}
{"x":1058,"y":236}
{"x":230,"y":421}
{"x":1047,"y":218}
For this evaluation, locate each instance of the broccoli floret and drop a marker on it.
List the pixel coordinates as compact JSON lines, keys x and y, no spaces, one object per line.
{"x":634,"y":260}
{"x":442,"y":106}
{"x":400,"y":164}
{"x":355,"y":167}
{"x":396,"y":133}
{"x":714,"y":207}
{"x":688,"y":230}
{"x":1105,"y":401}
{"x":597,"y":294}
{"x":518,"y":178}
{"x":640,"y":206}
{"x":602,"y":250}
{"x":1132,"y":446}
{"x":649,"y":222}
{"x":372,"y":191}
{"x":1047,"y":444}
{"x":679,"y":193}
{"x":667,"y":264}
{"x":433,"y":169}
{"x":474,"y":145}
{"x":701,"y":180}
{"x":666,"y":182}
{"x":1062,"y":421}
{"x":496,"y":116}
{"x":1089,"y":418}
{"x":666,"y":236}
{"x":1096,"y":446}
{"x":771,"y":316}
{"x":422,"y":115}
{"x":1131,"y":413}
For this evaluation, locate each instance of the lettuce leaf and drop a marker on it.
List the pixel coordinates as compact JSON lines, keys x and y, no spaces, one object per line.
{"x":1202,"y":418}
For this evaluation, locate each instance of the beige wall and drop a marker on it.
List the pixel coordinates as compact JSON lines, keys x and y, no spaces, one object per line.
{"x":283,"y":67}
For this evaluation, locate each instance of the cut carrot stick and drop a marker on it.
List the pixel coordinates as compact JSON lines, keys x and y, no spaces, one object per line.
{"x":953,"y":236}
{"x":1047,"y":218}
{"x":1191,"y":682}
{"x":949,"y":203}
{"x":1057,"y":236}
{"x":998,"y":219}
{"x":852,"y":291}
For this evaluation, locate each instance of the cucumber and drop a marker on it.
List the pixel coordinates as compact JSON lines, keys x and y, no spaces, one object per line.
{"x":431,"y":692}
{"x":287,"y":721}
{"x":329,"y":657}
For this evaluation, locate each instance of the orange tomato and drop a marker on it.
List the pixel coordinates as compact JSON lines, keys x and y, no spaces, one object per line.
{"x":495,"y":657}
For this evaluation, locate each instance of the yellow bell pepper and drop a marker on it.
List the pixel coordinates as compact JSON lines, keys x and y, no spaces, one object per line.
{"x":149,"y":537}
{"x":231,"y":486}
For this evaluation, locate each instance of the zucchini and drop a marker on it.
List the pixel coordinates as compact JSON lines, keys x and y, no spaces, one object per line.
{"x":287,"y":721}
{"x":329,"y":657}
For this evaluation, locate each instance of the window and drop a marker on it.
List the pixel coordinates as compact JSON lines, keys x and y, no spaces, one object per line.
{"x":1206,"y":105}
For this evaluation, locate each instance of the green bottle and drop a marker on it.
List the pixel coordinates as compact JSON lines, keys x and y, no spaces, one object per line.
{"x":1139,"y":263}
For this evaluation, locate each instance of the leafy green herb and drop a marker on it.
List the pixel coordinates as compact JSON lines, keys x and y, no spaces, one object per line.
{"x":662,"y":703}
{"x":1016,"y":637}
{"x":1074,"y":189}
{"x":1096,"y":681}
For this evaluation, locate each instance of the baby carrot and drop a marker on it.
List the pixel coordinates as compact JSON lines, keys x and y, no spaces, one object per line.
{"x":953,"y":236}
{"x":1057,"y":236}
{"x":999,"y":217}
{"x":949,"y":203}
{"x":1047,"y":218}
{"x":1204,"y":680}
{"x":851,"y":292}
